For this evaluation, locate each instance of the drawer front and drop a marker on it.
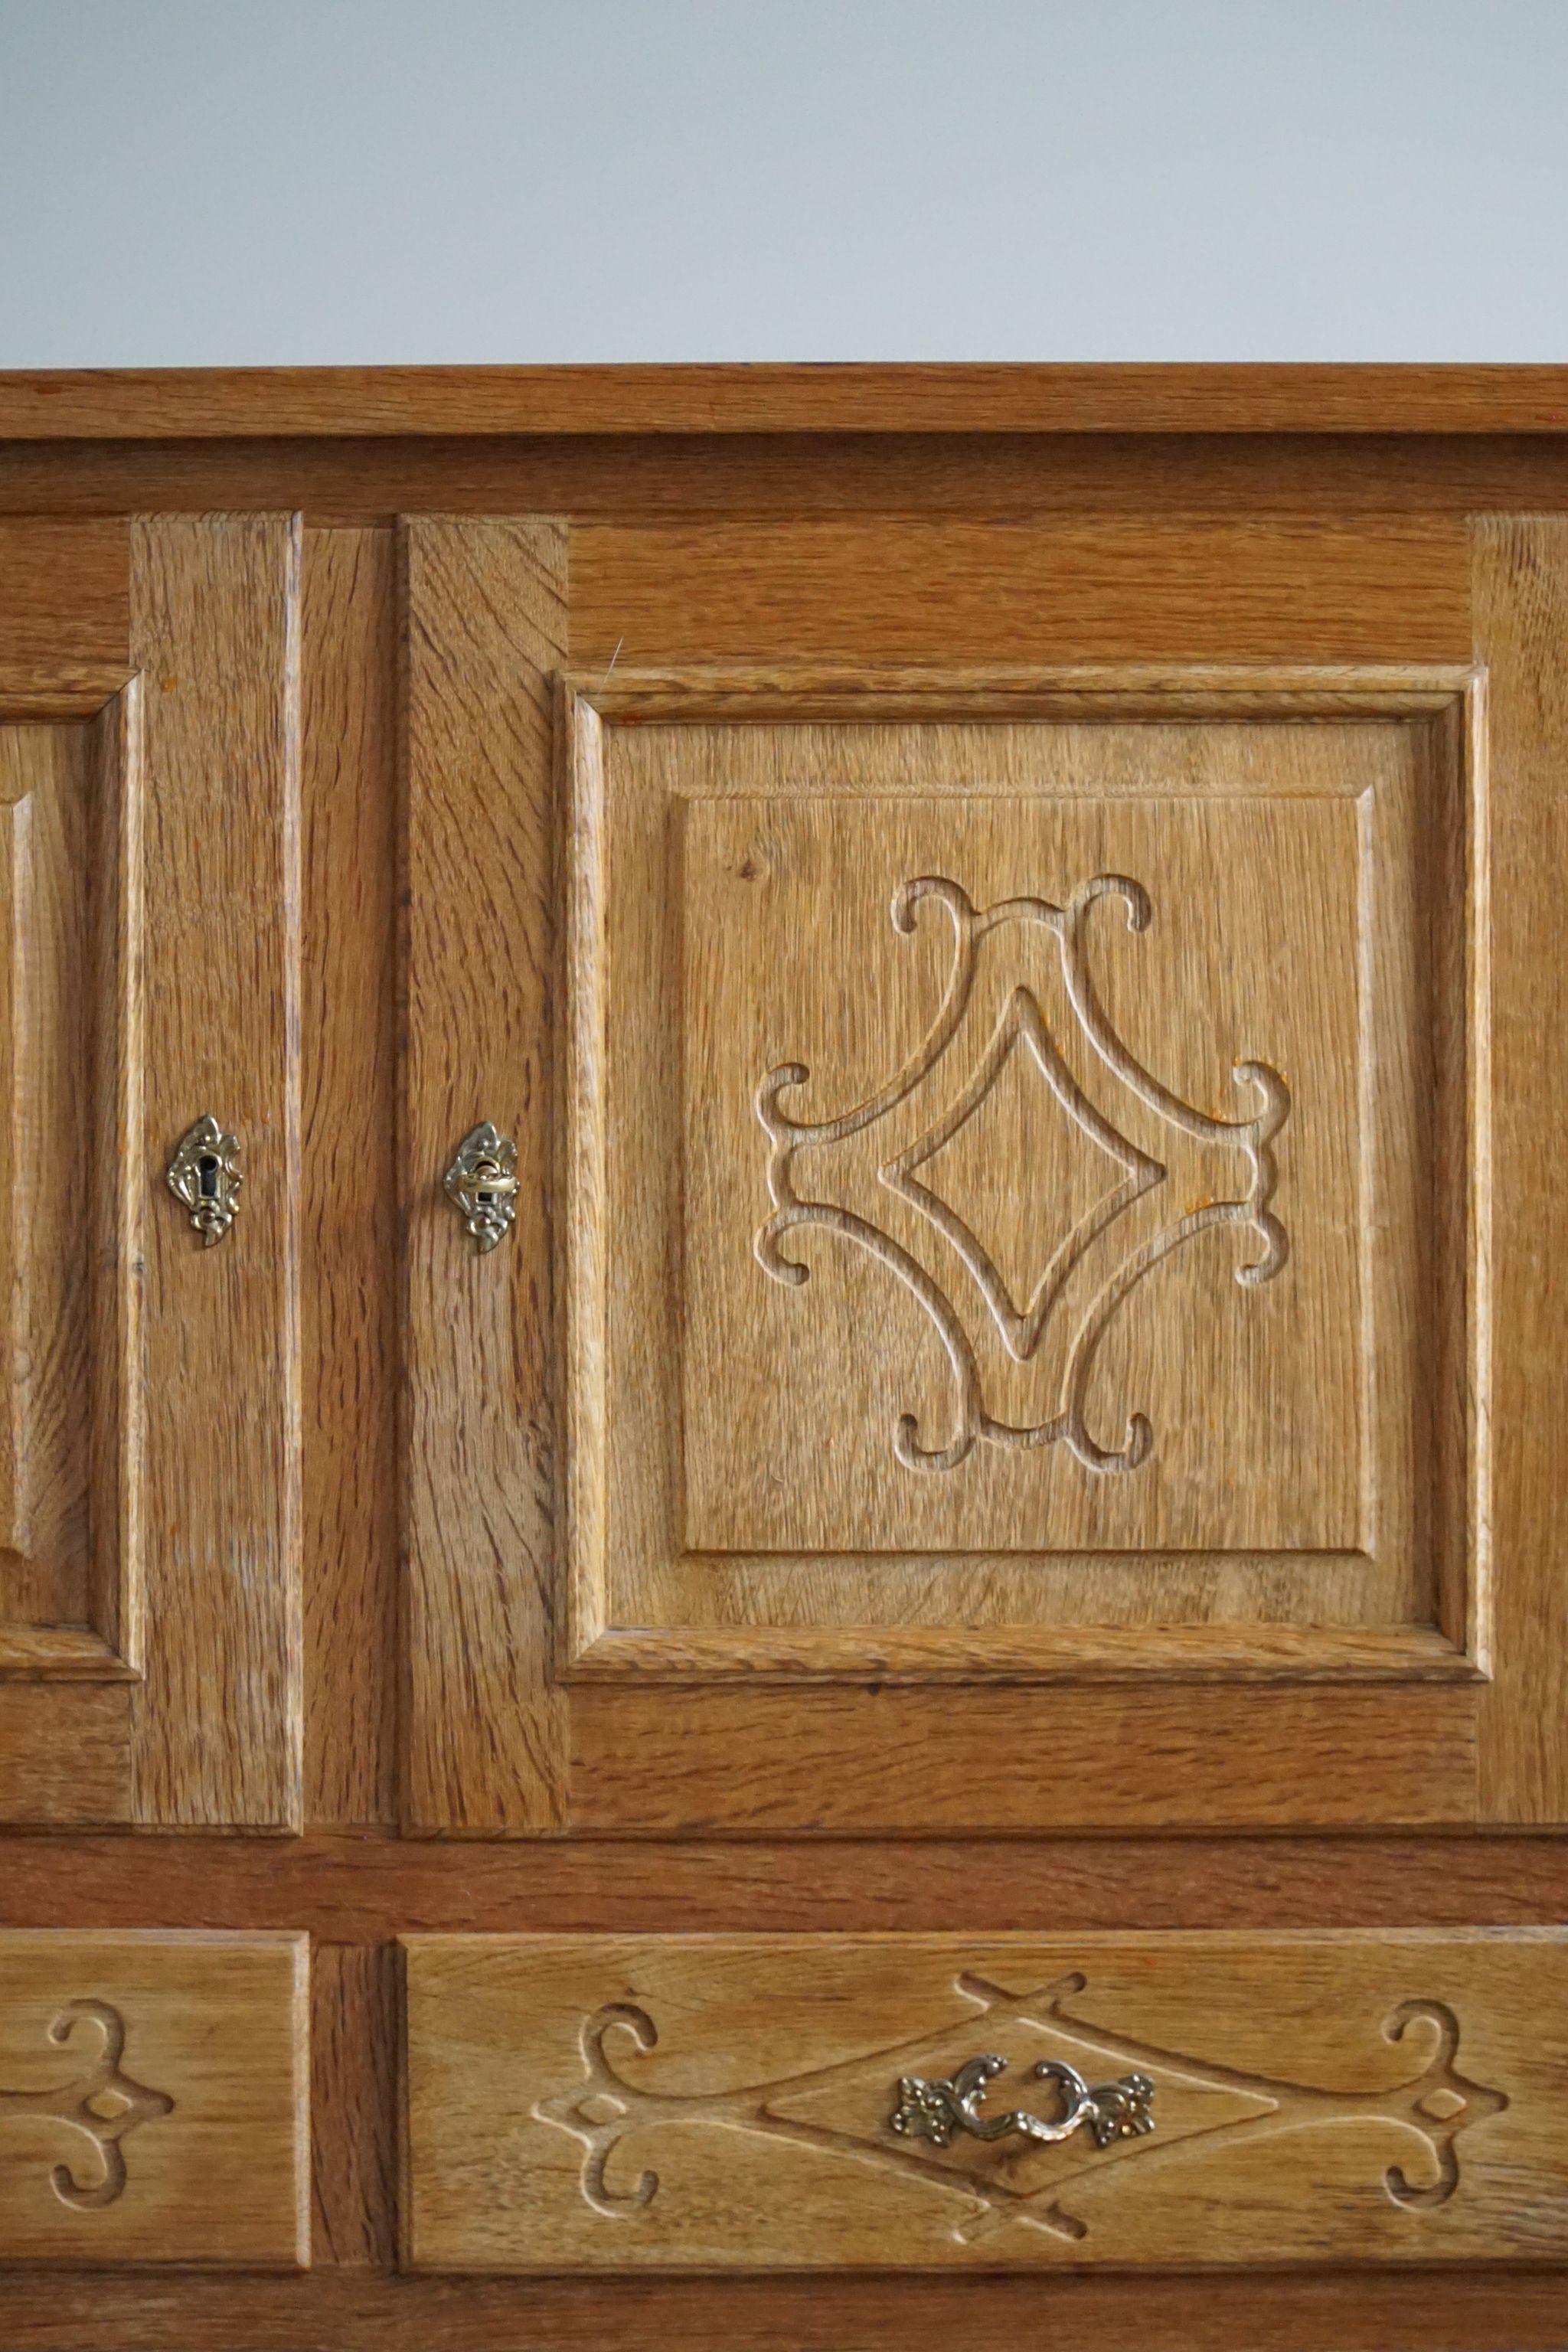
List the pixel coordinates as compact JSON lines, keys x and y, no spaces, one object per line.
{"x":809,"y":2102}
{"x":153,"y":2099}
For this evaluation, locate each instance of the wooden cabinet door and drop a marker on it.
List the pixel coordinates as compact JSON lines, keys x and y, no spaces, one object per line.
{"x":149,"y":956}
{"x":988,"y":1303}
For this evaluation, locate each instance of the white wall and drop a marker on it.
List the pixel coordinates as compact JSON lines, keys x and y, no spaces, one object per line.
{"x":190,"y":181}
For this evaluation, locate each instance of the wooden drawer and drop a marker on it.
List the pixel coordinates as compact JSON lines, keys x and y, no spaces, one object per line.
{"x":153,"y":2100}
{"x":597,"y":2101}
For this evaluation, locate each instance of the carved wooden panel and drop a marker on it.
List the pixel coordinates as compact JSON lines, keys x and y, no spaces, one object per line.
{"x":607,"y":2102}
{"x":1034,"y":1147}
{"x":70,"y":807}
{"x":148,"y":974}
{"x":1105,"y":1307}
{"x":153,"y":2099}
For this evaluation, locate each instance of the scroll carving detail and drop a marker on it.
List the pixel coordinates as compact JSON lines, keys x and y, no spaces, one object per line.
{"x":100,"y":2102}
{"x":1247,"y":1142}
{"x":1423,"y":2115}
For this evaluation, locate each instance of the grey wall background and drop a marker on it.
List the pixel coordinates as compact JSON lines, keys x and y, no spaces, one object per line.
{"x":203,"y":181}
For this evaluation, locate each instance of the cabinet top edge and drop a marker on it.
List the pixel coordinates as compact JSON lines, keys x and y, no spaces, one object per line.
{"x":164,"y":403}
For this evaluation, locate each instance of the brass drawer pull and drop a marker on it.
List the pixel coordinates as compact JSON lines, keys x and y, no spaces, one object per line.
{"x":203,"y":1178}
{"x":934,"y":2111}
{"x":481,"y":1183}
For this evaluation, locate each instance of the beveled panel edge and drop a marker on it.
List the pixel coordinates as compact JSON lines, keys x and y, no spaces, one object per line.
{"x":1109,"y":691}
{"x":1128,"y":1653}
{"x":1456,"y":1648}
{"x":37,"y":691}
{"x":108,"y":699}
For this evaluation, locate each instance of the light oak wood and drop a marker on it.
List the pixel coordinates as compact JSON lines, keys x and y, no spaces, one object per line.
{"x":65,"y":1752}
{"x":215,"y":628}
{"x":157,"y":955}
{"x":71,"y":1574}
{"x":733,"y":888}
{"x":153,"y":2100}
{"x":637,"y":1764}
{"x":347,"y":481}
{"x":1402,"y":2310}
{"x":1339,"y":546}
{"x":349,"y":1173}
{"x":485,"y":621}
{"x":361,"y":1889}
{"x":891,"y":1761}
{"x":65,"y":592}
{"x":148,"y":402}
{"x":1521,"y":632}
{"x":951,"y":592}
{"x":616,"y":2104}
{"x":354,"y":2059}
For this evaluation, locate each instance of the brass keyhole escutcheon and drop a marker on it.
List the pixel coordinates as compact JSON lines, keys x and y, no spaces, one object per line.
{"x":203,"y":1178}
{"x":481,"y":1184}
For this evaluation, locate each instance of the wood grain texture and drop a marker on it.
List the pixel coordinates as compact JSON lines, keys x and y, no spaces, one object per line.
{"x":147,"y":403}
{"x":663,"y":1757}
{"x":348,"y":481}
{"x":1347,"y":2311}
{"x":69,"y":1581}
{"x":485,"y":620}
{"x":638,"y":1768}
{"x":893,"y":1762}
{"x":65,"y":1755}
{"x":1521,"y":632}
{"x":116,"y":1395}
{"x":64,"y":590}
{"x":153,"y":2100}
{"x":748,"y":929}
{"x":354,"y":2063}
{"x":576,"y":2103}
{"x":71,"y":1584}
{"x":215,"y":627}
{"x":953,"y":591}
{"x":363,"y":1889}
{"x":48,"y":1014}
{"x":349,"y":1222}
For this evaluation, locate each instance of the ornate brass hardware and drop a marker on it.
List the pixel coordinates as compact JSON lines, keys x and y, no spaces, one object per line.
{"x":203,"y":1178}
{"x":934,"y":2111}
{"x":481,"y":1184}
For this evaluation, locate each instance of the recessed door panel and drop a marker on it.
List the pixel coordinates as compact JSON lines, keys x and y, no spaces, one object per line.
{"x":1023,"y":1145}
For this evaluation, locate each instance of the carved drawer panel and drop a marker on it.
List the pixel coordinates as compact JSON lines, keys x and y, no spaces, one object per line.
{"x":820,"y":2102}
{"x":153,"y":2099}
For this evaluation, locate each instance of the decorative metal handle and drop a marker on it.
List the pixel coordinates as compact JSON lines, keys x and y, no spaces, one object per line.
{"x":481,"y":1184}
{"x":203,"y":1178}
{"x":934,"y":2111}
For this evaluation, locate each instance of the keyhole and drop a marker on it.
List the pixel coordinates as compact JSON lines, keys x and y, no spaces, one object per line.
{"x":207,"y":1175}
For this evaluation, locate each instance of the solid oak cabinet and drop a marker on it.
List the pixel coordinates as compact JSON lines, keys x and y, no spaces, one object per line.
{"x":781,"y":1212}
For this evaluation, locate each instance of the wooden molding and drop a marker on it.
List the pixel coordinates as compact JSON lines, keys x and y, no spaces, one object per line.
{"x":157,"y":404}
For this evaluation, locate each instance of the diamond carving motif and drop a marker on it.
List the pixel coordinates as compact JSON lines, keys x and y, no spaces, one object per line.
{"x":1021,"y":1033}
{"x":842,"y":2109}
{"x":1240,"y":1196}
